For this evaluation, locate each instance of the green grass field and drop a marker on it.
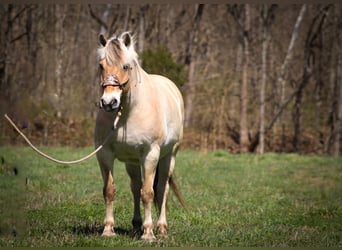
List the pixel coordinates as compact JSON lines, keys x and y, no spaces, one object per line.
{"x":235,"y":200}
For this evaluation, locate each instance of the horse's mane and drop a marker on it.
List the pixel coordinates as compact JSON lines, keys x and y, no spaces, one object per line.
{"x":116,"y":52}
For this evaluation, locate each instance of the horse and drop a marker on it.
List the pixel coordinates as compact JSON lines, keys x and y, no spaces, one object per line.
{"x":145,"y":114}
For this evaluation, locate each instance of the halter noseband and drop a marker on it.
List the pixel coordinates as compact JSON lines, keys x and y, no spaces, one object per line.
{"x":112,"y":80}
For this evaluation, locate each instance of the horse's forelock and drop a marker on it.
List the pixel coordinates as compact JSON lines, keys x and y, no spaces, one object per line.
{"x":113,"y":52}
{"x":116,"y":52}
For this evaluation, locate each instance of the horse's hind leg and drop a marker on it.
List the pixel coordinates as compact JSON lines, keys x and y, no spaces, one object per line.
{"x":147,"y":194}
{"x":106,"y":160}
{"x":165,"y":169}
{"x":134,"y":173}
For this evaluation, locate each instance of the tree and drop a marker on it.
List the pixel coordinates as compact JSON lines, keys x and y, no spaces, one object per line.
{"x":241,"y":81}
{"x":59,"y":57}
{"x":338,"y":126}
{"x":284,"y":68}
{"x":244,"y":141}
{"x":160,"y":61}
{"x":267,"y":16}
{"x":190,"y":60}
{"x":313,"y":34}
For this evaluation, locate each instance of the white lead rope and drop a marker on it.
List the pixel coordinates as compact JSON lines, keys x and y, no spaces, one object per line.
{"x":56,"y":160}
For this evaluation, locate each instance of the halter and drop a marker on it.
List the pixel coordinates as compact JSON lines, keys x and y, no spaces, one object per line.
{"x":112,"y":80}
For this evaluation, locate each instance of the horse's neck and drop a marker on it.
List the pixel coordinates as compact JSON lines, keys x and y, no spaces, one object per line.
{"x":136,"y":93}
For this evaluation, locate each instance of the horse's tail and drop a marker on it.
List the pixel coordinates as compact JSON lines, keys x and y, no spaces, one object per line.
{"x":177,"y":192}
{"x":174,"y":188}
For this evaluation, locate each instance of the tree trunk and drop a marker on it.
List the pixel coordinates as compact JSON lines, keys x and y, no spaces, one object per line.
{"x":141,"y":36}
{"x":262,"y":95}
{"x":127,"y":15}
{"x":265,"y":40}
{"x":338,"y":123}
{"x":105,"y":15}
{"x":314,"y":32}
{"x":141,"y":31}
{"x":284,"y":67}
{"x":297,"y":119}
{"x":6,"y":36}
{"x":191,"y":61}
{"x":60,"y":47}
{"x":244,"y":94}
{"x":338,"y":126}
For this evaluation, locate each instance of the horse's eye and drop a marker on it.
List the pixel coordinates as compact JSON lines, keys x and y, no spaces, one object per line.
{"x":125,"y":66}
{"x":101,"y":66}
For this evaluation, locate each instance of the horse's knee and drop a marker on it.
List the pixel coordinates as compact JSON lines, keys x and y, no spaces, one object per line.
{"x":147,"y":195}
{"x":109,"y":193}
{"x":109,"y":189}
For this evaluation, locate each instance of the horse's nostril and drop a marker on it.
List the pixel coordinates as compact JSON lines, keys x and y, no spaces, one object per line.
{"x":102,"y":104}
{"x":114,"y":102}
{"x":109,"y":105}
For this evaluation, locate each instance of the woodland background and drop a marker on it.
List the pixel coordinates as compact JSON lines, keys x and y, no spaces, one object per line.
{"x":255,"y":78}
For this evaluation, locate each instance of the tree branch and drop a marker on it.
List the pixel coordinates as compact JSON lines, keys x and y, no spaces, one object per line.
{"x":98,"y":19}
{"x":19,"y":37}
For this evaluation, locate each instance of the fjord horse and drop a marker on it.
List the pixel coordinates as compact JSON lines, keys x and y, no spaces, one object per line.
{"x":146,"y":114}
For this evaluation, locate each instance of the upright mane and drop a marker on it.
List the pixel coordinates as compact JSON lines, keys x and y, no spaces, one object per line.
{"x":119,"y":50}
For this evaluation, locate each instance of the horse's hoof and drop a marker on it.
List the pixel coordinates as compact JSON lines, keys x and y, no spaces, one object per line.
{"x":108,"y":232}
{"x":162,"y":231}
{"x":149,"y":237}
{"x":136,"y":233}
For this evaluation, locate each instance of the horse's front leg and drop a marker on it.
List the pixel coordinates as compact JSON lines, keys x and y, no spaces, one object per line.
{"x":134,"y":173}
{"x":109,"y":194}
{"x":147,"y":194}
{"x":106,"y":161}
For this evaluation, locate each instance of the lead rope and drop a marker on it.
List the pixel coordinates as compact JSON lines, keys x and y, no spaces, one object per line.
{"x":65,"y":162}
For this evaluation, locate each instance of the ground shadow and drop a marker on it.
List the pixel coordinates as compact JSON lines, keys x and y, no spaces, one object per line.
{"x":96,"y":228}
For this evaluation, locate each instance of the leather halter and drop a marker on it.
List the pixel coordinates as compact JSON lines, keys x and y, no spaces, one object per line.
{"x":112,"y":80}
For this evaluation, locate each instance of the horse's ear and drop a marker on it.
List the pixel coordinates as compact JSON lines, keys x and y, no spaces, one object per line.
{"x":126,"y":38}
{"x":102,"y":40}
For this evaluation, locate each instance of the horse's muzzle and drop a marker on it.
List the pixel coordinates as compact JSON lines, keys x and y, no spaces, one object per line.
{"x":113,"y":105}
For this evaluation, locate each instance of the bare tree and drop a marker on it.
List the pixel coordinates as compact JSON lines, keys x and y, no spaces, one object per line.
{"x":313,"y":34}
{"x":60,"y":52}
{"x":142,"y":27}
{"x":338,"y":126}
{"x":190,"y":59}
{"x":102,"y":21}
{"x":9,"y":36}
{"x":284,"y":68}
{"x":44,"y":48}
{"x":267,"y":17}
{"x":244,"y":141}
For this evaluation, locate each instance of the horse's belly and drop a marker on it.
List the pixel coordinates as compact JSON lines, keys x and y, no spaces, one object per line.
{"x":132,"y":153}
{"x":127,"y":153}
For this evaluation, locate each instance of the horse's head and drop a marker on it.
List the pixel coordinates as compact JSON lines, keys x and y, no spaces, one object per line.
{"x":116,"y":57}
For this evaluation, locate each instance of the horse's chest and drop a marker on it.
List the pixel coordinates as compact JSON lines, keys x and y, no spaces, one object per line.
{"x":129,"y":147}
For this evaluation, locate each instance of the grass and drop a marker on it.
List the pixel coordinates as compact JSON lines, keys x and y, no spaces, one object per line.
{"x":236,"y":200}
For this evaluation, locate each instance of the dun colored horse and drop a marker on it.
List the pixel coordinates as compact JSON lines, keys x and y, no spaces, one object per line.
{"x":146,"y":114}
